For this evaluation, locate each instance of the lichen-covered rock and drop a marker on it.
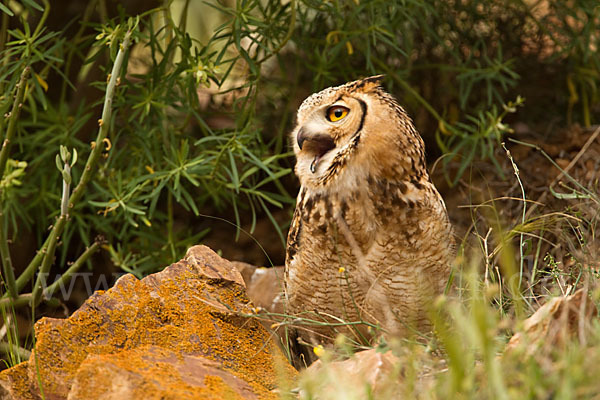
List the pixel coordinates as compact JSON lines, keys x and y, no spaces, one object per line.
{"x":151,"y":372}
{"x":179,"y":333}
{"x":16,"y":384}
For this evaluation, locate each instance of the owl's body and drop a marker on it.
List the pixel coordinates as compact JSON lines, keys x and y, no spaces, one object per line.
{"x":370,"y":239}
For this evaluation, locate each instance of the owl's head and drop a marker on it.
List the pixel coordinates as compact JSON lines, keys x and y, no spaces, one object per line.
{"x":354,"y":129}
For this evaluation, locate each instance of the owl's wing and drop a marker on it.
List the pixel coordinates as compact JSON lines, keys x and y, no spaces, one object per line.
{"x":293,"y":239}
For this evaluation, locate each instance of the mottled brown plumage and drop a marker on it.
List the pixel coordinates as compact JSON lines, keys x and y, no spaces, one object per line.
{"x":370,"y":238}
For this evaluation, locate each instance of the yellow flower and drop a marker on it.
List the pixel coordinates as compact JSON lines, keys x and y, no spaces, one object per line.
{"x":341,"y":270}
{"x":319,"y":350}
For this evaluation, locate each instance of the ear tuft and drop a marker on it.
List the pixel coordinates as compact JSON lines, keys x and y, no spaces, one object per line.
{"x":367,"y":84}
{"x":374,"y":79}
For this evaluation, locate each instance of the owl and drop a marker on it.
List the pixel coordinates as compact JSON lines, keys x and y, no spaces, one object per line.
{"x":370,"y":244}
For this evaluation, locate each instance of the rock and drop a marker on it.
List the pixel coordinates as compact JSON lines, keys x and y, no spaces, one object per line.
{"x":349,"y":378}
{"x":265,"y":290}
{"x":265,"y":285}
{"x":554,"y":322}
{"x":16,"y":384}
{"x":177,"y":334}
{"x":152,"y":372}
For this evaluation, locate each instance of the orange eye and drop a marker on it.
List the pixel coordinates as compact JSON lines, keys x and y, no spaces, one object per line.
{"x":336,"y":113}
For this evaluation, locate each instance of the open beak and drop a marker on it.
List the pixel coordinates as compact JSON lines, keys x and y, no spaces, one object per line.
{"x":319,"y":144}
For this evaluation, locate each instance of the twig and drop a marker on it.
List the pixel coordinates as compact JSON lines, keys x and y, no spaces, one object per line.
{"x":6,"y":54}
{"x":7,"y":267}
{"x":21,"y":300}
{"x":8,"y":348}
{"x":31,"y":267}
{"x":13,"y":116}
{"x":292,"y":26}
{"x":521,"y":256}
{"x":64,"y":200}
{"x":104,"y":123}
{"x":91,"y":6}
{"x":47,"y":260}
{"x":42,"y":20}
{"x":584,"y":148}
{"x":488,"y":266}
{"x":73,"y":268}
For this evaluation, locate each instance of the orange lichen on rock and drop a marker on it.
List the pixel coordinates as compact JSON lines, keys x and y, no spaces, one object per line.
{"x":151,"y":372}
{"x":16,"y":383}
{"x":193,"y":310}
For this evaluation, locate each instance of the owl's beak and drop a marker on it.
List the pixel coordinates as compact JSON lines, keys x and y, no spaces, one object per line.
{"x":315,"y":144}
{"x":301,"y":138}
{"x":319,"y":143}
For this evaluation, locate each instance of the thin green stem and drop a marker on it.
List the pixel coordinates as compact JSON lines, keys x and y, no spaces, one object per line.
{"x":64,"y":201}
{"x":8,"y":273}
{"x":104,"y":124}
{"x":184,"y":16}
{"x":32,"y":267}
{"x":170,"y":237}
{"x":169,"y":35}
{"x":42,"y":21}
{"x":20,"y":301}
{"x":3,"y":37}
{"x":291,"y":28}
{"x":587,"y":121}
{"x":523,"y":214}
{"x":74,"y":43}
{"x":24,"y":300}
{"x":535,"y":263}
{"x":47,"y":260}
{"x":7,"y":267}
{"x":66,"y":276}
{"x":12,"y":120}
{"x":7,"y":348}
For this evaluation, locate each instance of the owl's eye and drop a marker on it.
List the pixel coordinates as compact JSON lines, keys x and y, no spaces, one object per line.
{"x":336,"y":113}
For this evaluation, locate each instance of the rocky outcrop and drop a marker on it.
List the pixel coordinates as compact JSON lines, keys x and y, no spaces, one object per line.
{"x":183,"y":333}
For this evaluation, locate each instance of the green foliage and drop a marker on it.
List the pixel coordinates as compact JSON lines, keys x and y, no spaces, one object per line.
{"x":477,"y":136}
{"x":461,"y":61}
{"x":159,"y":147}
